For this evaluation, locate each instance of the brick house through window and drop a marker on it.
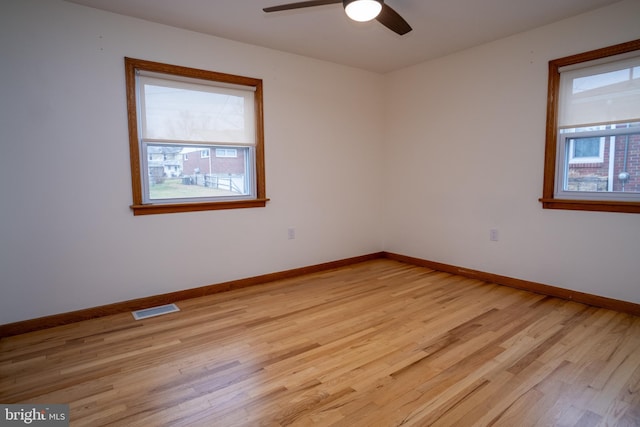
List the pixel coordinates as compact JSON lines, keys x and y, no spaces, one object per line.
{"x":593,"y":168}
{"x":216,"y":167}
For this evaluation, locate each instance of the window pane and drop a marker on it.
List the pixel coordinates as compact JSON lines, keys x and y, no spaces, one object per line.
{"x":609,"y":163}
{"x":586,"y":147}
{"x":226,"y":152}
{"x":190,"y":172}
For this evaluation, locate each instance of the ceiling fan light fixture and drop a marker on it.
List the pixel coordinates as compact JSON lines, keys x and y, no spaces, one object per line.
{"x":362,"y":10}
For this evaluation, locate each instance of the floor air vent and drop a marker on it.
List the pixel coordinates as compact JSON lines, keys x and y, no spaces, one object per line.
{"x":154,"y":311}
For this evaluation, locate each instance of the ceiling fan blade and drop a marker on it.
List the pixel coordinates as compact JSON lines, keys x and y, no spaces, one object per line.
{"x":390,"y":19}
{"x":300,"y":5}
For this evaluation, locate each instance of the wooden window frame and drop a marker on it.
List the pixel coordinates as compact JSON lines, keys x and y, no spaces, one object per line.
{"x":138,"y":207}
{"x":548,"y":200}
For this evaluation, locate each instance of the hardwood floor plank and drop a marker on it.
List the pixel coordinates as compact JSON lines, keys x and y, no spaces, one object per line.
{"x":380,"y":343}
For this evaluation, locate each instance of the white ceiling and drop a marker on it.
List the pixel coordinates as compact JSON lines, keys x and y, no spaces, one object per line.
{"x":324,"y":32}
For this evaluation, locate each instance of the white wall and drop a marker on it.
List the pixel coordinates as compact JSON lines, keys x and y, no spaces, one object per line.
{"x":68,"y":239}
{"x":466,"y":149}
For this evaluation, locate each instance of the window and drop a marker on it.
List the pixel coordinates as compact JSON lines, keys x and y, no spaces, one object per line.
{"x":586,"y":150}
{"x":592,"y":153}
{"x":176,"y":111}
{"x":226,"y":152}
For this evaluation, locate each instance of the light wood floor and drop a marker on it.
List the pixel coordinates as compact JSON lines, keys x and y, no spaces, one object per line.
{"x":379,"y":343}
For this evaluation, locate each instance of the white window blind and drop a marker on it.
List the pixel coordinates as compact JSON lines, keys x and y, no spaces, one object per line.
{"x":195,"y":111}
{"x":601,"y":93}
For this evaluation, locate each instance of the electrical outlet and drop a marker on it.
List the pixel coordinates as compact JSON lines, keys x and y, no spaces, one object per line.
{"x":493,"y":235}
{"x":291,"y":233}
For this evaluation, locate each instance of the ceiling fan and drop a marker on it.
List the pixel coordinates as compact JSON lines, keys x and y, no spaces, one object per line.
{"x":358,"y":10}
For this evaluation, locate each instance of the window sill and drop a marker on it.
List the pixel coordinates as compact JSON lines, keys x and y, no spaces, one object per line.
{"x":591,"y":205}
{"x":195,"y":207}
